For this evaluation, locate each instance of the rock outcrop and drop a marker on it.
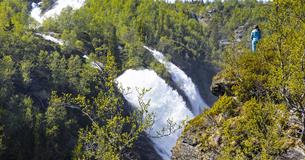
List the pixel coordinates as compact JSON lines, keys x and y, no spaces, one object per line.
{"x":203,"y":138}
{"x":221,"y":85}
{"x":189,"y":146}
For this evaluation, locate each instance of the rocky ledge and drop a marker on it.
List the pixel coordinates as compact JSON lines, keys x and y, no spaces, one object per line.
{"x":205,"y":138}
{"x":189,"y":147}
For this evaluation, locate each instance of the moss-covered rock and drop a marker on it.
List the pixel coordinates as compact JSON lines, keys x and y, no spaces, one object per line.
{"x":234,"y":130}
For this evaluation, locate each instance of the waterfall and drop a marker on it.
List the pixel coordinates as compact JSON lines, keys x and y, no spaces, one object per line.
{"x":184,"y":82}
{"x":50,"y":38}
{"x":55,"y":10}
{"x":165,"y":103}
{"x":59,"y":6}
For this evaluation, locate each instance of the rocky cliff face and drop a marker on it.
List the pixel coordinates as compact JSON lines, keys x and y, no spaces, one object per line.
{"x":203,"y":138}
{"x":189,"y":147}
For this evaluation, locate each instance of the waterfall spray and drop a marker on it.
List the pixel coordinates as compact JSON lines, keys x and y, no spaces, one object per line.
{"x":184,"y":82}
{"x":165,"y":103}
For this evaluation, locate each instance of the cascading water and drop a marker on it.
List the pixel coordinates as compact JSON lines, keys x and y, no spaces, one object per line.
{"x":60,"y":4}
{"x":50,"y":38}
{"x":184,"y":82}
{"x":55,"y":10}
{"x":165,"y":103}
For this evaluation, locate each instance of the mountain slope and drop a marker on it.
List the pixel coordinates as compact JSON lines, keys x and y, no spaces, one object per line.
{"x":260,"y":112}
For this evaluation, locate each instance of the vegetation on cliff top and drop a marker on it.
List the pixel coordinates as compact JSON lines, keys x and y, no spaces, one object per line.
{"x":54,"y":105}
{"x":268,"y":90}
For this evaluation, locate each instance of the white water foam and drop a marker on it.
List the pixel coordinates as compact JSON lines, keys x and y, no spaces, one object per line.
{"x":55,"y":10}
{"x":184,"y":82}
{"x":50,"y":38}
{"x":165,"y":103}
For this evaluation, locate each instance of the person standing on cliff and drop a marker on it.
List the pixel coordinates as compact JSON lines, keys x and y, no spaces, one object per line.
{"x":255,"y":37}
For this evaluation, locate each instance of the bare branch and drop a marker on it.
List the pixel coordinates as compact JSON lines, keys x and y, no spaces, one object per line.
{"x":78,"y":108}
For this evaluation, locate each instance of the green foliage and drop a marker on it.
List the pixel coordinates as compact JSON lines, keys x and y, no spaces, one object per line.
{"x":55,"y":105}
{"x":47,"y":4}
{"x":159,"y":69}
{"x":225,"y":20}
{"x":259,"y":132}
{"x":224,"y":105}
{"x":2,"y":146}
{"x":6,"y":72}
{"x":7,"y":69}
{"x":268,"y":90}
{"x":280,"y":72}
{"x":131,"y":24}
{"x":249,"y":130}
{"x":59,"y":127}
{"x":12,"y":16}
{"x":112,"y":133}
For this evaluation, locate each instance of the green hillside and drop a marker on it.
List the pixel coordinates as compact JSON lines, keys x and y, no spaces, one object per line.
{"x":54,"y":105}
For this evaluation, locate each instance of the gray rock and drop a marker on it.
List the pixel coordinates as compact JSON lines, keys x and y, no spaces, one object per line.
{"x":295,"y":153}
{"x":221,"y":85}
{"x":188,"y":146}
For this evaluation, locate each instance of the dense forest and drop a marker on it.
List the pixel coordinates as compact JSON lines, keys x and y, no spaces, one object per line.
{"x":55,"y":105}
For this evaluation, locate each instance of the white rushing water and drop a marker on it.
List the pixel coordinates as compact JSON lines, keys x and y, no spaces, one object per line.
{"x":55,"y":10}
{"x":184,"y":82}
{"x":50,"y":38}
{"x":165,"y":103}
